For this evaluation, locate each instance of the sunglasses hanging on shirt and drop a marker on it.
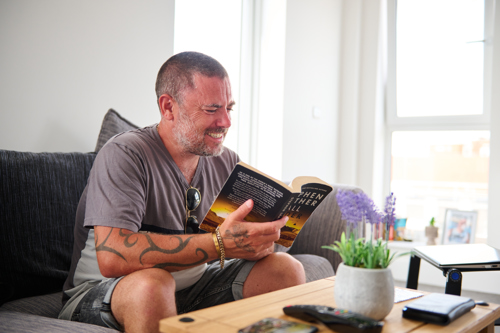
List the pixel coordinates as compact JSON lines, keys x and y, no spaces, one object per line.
{"x":193,"y":199}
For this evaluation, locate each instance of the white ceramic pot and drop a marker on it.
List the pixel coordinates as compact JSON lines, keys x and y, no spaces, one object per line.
{"x":369,"y":292}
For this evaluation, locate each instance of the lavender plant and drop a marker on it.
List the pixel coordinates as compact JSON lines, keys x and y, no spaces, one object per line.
{"x":355,"y":251}
{"x":358,"y":208}
{"x":390,"y":216}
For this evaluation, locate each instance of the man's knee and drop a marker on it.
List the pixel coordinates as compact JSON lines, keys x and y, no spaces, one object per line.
{"x":153,"y":280}
{"x":148,"y":291}
{"x":292,"y":269}
{"x":274,"y":272}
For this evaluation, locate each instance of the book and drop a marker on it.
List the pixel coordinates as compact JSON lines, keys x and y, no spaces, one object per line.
{"x":272,"y":200}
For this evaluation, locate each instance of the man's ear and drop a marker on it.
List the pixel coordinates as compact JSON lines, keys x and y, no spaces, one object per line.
{"x":166,"y":104}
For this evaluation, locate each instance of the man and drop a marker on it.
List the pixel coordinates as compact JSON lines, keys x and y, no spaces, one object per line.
{"x":135,"y":259}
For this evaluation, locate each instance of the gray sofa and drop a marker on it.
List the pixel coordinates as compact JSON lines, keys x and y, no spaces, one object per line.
{"x":39,"y":193}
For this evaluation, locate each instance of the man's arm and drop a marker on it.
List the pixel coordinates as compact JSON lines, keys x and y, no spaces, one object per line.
{"x":121,"y":251}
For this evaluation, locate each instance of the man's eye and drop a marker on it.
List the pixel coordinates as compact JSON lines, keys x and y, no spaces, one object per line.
{"x":211,"y":110}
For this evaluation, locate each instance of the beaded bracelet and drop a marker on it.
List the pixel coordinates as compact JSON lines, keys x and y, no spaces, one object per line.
{"x":221,"y":246}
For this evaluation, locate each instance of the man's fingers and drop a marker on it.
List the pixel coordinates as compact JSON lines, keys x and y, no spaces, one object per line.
{"x":267,"y":228}
{"x":243,"y":210}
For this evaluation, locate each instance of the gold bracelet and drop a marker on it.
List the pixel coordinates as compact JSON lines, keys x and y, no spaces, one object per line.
{"x":221,"y":246}
{"x":216,"y":242}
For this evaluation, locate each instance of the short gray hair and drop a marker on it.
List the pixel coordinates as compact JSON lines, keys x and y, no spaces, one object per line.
{"x":177,"y":73}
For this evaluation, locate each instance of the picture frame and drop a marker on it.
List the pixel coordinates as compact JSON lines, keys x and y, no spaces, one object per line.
{"x":459,"y":227}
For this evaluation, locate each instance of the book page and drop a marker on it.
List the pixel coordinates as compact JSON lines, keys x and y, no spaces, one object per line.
{"x":297,"y":183}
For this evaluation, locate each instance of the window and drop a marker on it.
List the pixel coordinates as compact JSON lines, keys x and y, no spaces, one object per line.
{"x":437,"y":110}
{"x":439,"y":57}
{"x":436,"y":170}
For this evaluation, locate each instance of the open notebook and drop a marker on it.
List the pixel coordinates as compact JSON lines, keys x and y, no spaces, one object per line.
{"x":461,"y":256}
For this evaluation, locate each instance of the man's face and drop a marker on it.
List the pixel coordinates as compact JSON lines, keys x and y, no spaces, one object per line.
{"x":204,"y":116}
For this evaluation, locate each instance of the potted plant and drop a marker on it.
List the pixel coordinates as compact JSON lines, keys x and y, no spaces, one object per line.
{"x":364,"y":283}
{"x":431,"y":232}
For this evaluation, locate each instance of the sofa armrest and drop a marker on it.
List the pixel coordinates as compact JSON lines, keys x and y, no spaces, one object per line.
{"x":323,"y":227}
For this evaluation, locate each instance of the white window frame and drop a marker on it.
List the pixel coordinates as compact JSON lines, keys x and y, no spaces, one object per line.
{"x":438,"y":122}
{"x":442,"y":123}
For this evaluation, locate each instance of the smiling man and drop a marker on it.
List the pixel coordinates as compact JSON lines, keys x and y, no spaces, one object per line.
{"x":139,"y":255}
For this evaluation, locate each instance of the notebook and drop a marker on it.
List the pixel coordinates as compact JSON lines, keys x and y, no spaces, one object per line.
{"x":461,"y":256}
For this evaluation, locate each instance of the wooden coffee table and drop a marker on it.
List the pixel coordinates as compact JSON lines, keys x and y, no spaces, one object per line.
{"x":231,"y":317}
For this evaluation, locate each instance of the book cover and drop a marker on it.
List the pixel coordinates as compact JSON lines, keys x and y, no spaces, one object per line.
{"x":272,"y":200}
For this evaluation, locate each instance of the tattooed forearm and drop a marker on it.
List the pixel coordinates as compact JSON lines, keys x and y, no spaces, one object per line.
{"x":238,"y":235}
{"x":103,"y":247}
{"x":127,"y":236}
{"x":154,"y":247}
{"x":175,"y":264}
{"x":182,"y":245}
{"x":129,"y":242}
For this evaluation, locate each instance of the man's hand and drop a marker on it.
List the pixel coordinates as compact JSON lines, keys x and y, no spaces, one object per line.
{"x":248,"y":240}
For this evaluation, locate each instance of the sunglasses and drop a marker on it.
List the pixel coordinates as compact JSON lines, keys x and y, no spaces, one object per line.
{"x":193,"y":199}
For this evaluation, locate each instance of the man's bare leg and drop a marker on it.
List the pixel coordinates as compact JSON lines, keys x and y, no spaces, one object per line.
{"x":276,"y":271}
{"x":142,"y":298}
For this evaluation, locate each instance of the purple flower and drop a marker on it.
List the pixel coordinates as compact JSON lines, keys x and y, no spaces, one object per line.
{"x":358,"y":206}
{"x":390,"y":208}
{"x":350,"y":207}
{"x":373,"y":215}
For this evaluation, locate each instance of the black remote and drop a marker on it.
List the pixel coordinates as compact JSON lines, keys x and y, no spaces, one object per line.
{"x":337,"y":319}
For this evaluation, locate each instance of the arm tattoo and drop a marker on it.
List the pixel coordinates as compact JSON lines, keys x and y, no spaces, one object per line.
{"x":152,"y":248}
{"x":182,"y":245}
{"x":175,"y":264}
{"x":127,"y":236}
{"x":238,"y":235}
{"x":103,"y":247}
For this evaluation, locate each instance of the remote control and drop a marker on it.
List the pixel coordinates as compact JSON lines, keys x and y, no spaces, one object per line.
{"x":336,"y":319}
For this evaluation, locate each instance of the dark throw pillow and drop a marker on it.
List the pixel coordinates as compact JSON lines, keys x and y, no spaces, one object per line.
{"x":112,"y":124}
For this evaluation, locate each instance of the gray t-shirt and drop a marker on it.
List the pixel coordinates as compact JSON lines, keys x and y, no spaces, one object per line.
{"x":135,"y":184}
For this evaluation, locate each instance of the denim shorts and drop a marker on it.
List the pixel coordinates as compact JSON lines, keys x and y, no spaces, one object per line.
{"x":215,"y":287}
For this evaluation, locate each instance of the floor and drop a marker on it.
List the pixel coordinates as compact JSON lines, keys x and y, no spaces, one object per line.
{"x":493,"y":298}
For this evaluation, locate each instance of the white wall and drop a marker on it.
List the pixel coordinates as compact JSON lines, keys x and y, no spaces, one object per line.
{"x":64,"y":63}
{"x":312,"y":65}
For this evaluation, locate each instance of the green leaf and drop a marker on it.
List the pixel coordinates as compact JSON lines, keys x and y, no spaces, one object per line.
{"x":361,"y":253}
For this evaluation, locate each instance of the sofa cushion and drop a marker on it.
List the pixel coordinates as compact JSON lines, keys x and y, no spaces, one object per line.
{"x":14,"y":322}
{"x":112,"y":124}
{"x":316,"y":267}
{"x":39,"y":194}
{"x":44,"y":305}
{"x":324,"y":226}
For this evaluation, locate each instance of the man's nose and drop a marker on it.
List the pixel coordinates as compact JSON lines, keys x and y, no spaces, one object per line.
{"x":224,"y":119}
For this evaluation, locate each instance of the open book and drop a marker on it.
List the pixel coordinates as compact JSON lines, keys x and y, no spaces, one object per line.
{"x":272,"y":200}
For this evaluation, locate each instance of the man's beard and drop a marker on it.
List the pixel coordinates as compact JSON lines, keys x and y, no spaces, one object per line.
{"x":192,"y":140}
